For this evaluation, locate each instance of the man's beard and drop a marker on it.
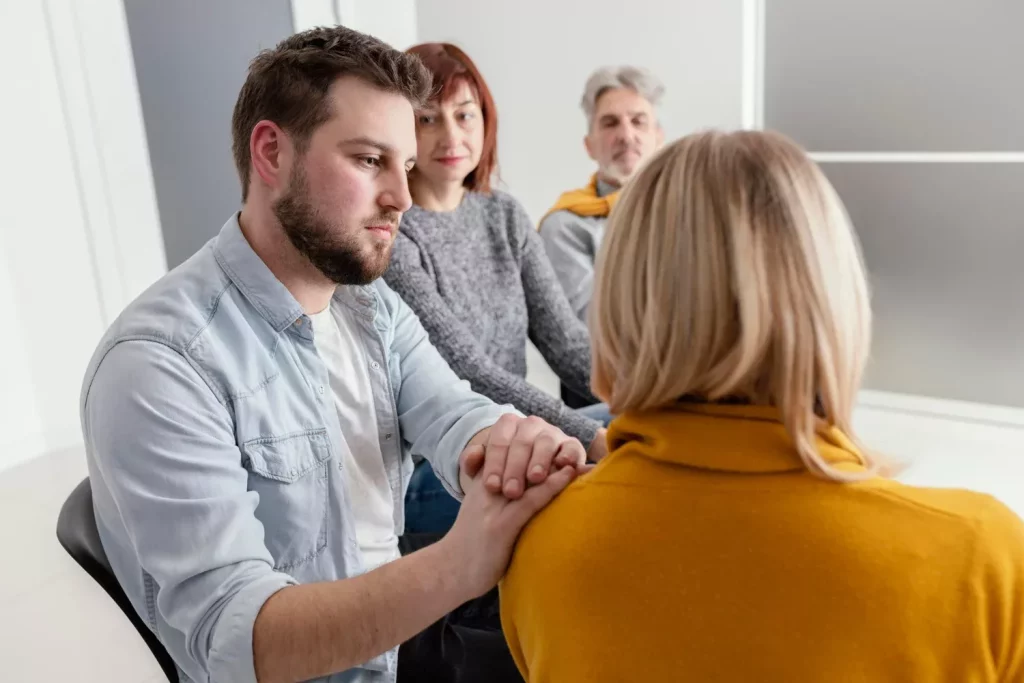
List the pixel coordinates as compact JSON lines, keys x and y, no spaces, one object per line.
{"x":616,"y":172}
{"x":614,"y":175}
{"x":333,"y":249}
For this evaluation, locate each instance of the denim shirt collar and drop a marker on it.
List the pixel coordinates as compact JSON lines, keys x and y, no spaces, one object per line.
{"x":261,"y":287}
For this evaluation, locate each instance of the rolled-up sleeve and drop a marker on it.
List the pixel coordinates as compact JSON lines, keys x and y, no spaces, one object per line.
{"x":162,"y":445}
{"x":231,"y":654}
{"x":438,"y":412}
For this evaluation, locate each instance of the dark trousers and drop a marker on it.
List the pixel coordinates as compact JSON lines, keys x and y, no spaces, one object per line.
{"x":464,"y":646}
{"x":574,"y":400}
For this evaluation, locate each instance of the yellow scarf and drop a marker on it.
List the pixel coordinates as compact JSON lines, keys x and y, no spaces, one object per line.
{"x":585,"y":201}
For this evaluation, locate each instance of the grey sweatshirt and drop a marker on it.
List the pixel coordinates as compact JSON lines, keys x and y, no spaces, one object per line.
{"x":481,"y":283}
{"x":572,"y":243}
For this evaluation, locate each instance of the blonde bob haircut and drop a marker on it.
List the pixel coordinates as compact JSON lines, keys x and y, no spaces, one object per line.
{"x":730,"y":270}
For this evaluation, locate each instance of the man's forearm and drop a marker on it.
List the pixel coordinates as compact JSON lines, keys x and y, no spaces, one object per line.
{"x":317,"y":629}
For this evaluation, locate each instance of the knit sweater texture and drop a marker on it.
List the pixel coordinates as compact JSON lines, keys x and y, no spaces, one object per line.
{"x":481,"y":283}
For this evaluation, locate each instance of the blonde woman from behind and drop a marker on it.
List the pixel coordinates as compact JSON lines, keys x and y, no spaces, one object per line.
{"x":736,"y":531}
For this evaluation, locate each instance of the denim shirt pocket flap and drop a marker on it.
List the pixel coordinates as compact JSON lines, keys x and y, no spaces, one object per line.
{"x":287,"y":458}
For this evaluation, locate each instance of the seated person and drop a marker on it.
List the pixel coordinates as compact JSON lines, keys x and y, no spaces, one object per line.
{"x":736,"y":531}
{"x":250,"y":420}
{"x":622,"y":132}
{"x":620,"y":105}
{"x":468,"y":261}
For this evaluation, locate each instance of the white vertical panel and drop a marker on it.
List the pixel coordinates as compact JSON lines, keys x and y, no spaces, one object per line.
{"x":55,"y":317}
{"x":126,"y":226}
{"x":78,"y":228}
{"x":307,"y":14}
{"x":393,"y":21}
{"x":753,"y":64}
{"x":20,"y":425}
{"x":94,"y":204}
{"x":346,"y":11}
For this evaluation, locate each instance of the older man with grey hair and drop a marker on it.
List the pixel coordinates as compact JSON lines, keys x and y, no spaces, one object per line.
{"x":622,"y":131}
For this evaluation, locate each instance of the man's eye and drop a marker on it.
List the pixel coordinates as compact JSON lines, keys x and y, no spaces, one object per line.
{"x":371,"y":161}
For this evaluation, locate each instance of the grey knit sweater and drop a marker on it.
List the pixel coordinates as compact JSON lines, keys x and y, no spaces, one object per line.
{"x":480,"y":282}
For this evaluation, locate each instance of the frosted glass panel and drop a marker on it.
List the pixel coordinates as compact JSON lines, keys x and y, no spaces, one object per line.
{"x":911,"y":75}
{"x":944,"y":244}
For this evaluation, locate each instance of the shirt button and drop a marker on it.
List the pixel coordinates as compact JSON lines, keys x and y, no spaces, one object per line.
{"x":321,"y":389}
{"x":387,"y":436}
{"x":375,"y":365}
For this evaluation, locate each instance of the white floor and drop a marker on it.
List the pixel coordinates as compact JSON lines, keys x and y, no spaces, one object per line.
{"x":57,"y":625}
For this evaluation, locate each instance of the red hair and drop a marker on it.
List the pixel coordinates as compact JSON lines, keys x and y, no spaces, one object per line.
{"x":451,"y":67}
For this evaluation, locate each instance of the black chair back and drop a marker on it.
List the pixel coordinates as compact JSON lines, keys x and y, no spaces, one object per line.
{"x":77,"y":533}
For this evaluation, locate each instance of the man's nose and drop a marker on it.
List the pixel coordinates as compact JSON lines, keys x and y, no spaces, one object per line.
{"x":396,"y":196}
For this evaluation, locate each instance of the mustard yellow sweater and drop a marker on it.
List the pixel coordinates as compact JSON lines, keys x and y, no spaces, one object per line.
{"x":701,"y":550}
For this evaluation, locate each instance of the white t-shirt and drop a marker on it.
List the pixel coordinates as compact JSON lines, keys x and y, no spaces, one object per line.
{"x":362,"y":462}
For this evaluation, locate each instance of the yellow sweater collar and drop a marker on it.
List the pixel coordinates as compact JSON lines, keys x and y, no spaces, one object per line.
{"x":726,"y":438}
{"x":586,"y":201}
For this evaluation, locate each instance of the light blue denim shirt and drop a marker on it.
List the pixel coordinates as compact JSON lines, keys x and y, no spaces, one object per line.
{"x":210,"y":435}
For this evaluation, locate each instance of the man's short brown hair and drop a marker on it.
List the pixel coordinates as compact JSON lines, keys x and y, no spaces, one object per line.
{"x":289,"y":84}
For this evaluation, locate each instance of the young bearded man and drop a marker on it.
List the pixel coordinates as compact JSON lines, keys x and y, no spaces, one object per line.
{"x":250,"y":420}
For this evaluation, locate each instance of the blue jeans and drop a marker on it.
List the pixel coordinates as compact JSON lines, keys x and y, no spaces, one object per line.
{"x":598,"y":411}
{"x":429,"y":509}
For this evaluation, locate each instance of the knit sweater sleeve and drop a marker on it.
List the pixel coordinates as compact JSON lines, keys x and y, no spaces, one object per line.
{"x":458,"y":346}
{"x":560,"y":336}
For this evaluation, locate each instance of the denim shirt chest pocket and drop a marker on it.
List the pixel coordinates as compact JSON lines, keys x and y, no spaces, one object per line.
{"x":290,"y":473}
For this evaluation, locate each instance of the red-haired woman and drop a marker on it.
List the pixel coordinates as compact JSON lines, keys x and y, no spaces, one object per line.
{"x":469,"y":262}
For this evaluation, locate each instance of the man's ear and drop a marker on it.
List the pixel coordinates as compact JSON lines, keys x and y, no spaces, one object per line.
{"x":660,"y":135}
{"x":270,"y":150}
{"x":589,"y":146}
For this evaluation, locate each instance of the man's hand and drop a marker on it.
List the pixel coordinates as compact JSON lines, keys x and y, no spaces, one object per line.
{"x":480,"y":542}
{"x":518,"y":453}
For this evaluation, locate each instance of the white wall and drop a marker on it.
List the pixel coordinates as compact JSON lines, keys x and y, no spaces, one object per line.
{"x":537,"y":54}
{"x":393,"y":21}
{"x":78,"y":231}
